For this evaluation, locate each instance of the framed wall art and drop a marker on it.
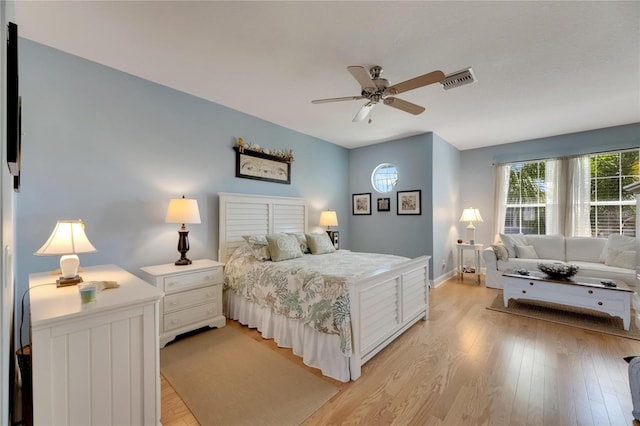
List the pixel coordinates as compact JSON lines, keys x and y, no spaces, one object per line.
{"x":409,"y":202}
{"x":260,"y":166}
{"x":362,"y":203}
{"x":384,"y":204}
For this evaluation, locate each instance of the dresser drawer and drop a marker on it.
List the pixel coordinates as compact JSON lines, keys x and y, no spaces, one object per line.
{"x":189,"y":316}
{"x":181,"y":282}
{"x":185,"y":299}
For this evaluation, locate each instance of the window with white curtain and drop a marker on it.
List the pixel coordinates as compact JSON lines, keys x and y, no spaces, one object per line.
{"x":574,"y":196}
{"x":613,"y":210}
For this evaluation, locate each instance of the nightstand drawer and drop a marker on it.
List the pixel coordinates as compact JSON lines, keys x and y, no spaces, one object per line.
{"x":176,"y":301}
{"x":191,"y":315}
{"x":184,"y":281}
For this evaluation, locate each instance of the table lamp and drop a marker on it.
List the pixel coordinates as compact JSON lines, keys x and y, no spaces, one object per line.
{"x":67,"y":240}
{"x":183,"y":210}
{"x":471,"y":215}
{"x":328,"y":218}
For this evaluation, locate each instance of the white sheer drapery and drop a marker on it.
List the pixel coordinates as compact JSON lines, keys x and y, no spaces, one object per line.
{"x":501,"y":190}
{"x":578,"y":199}
{"x":554,"y":196}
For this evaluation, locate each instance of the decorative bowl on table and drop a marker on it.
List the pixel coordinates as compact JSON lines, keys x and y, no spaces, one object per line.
{"x":559,"y":271}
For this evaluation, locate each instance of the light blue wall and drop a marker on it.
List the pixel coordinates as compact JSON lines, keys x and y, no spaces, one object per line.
{"x":387,"y":232}
{"x":476,"y":169}
{"x":112,"y":149}
{"x":446,"y":208}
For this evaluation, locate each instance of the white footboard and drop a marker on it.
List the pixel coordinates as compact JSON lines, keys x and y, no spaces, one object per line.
{"x":384,"y":304}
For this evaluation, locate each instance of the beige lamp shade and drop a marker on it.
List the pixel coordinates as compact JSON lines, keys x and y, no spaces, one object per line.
{"x":68,"y":237}
{"x":471,"y":215}
{"x":328,"y":218}
{"x":183,"y":210}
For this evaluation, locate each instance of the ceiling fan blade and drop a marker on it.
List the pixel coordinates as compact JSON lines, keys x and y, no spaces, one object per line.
{"x":364,"y":112}
{"x":414,"y":83}
{"x":363,"y":77}
{"x":405,"y":106}
{"x":345,"y":98}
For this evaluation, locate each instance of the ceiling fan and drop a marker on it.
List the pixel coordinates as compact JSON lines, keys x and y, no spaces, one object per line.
{"x":376,"y":89}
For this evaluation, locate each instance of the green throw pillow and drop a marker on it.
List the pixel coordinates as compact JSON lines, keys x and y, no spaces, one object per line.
{"x":320,"y":243}
{"x":283,"y":247}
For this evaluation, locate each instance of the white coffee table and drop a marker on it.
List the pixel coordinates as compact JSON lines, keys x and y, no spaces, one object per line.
{"x":581,"y":292}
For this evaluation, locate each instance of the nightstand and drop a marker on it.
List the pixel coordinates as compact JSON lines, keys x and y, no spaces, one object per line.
{"x":477,"y":251}
{"x":192,"y":296}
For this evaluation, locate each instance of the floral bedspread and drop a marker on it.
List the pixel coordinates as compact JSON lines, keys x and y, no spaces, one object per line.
{"x":312,"y":288}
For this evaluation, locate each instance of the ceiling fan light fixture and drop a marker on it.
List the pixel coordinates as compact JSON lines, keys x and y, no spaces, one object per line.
{"x":458,"y":78}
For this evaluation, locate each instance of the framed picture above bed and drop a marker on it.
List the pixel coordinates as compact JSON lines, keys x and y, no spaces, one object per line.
{"x":409,"y":202}
{"x":260,"y":166}
{"x":362,"y":203}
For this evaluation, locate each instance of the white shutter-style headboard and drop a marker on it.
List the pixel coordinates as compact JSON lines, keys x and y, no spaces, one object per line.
{"x":245,"y":214}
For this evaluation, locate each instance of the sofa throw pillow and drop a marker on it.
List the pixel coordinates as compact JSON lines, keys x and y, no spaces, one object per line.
{"x":526,"y":252}
{"x":617,"y":242}
{"x":501,"y":251}
{"x":320,"y":243}
{"x":259,"y":246}
{"x":621,"y":258}
{"x":302,"y":241}
{"x":283,"y":247}
{"x":510,"y":241}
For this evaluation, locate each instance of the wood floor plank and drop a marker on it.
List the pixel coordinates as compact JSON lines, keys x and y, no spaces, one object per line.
{"x":468,"y":365}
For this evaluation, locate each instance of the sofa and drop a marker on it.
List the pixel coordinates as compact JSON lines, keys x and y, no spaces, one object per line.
{"x":612,"y":258}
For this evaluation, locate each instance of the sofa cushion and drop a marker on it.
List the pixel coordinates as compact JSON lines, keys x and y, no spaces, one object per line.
{"x":600,"y":270}
{"x":618,"y":242}
{"x":510,"y":240}
{"x":526,"y":252}
{"x":548,"y":246}
{"x":586,"y":249}
{"x":621,"y":258}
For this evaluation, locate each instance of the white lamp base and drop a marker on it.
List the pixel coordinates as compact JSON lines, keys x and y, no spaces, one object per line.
{"x":471,"y":233}
{"x":69,"y":264}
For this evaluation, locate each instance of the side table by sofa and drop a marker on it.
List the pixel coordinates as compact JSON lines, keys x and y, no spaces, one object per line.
{"x":477,"y":251}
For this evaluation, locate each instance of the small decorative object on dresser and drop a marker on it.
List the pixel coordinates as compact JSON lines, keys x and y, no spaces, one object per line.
{"x":192,"y":296}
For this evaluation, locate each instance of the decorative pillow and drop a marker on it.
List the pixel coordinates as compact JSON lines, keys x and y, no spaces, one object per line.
{"x":501,"y":251}
{"x":526,"y":252}
{"x":283,"y":247}
{"x":259,"y":246}
{"x":302,"y":241}
{"x":617,"y":242}
{"x":510,"y":241}
{"x":320,"y":243}
{"x":621,"y":258}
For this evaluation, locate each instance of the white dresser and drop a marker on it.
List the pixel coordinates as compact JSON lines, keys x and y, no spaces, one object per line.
{"x":95,"y":363}
{"x":193,"y":296}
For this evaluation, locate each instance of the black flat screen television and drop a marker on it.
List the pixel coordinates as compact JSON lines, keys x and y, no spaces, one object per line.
{"x":13,"y":102}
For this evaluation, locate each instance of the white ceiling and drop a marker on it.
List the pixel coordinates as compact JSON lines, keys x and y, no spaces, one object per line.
{"x":543,"y":68}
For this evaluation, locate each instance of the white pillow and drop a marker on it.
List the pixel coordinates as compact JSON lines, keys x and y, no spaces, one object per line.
{"x":617,"y":242}
{"x":510,"y":240}
{"x":283,"y":247}
{"x":526,"y":252}
{"x":259,"y":246}
{"x":621,"y":258}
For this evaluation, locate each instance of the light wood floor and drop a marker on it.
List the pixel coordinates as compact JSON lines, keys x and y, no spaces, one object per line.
{"x":468,"y":365}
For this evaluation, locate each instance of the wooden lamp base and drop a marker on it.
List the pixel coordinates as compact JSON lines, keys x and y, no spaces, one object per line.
{"x":64,"y":282}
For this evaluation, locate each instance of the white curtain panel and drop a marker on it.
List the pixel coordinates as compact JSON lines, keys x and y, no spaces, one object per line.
{"x":501,"y":190}
{"x":555,"y":195}
{"x":578,"y":211}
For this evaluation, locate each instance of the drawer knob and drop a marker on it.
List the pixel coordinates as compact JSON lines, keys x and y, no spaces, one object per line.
{"x":524,"y":291}
{"x":600,"y":303}
{"x":530,"y":283}
{"x":590,"y":291}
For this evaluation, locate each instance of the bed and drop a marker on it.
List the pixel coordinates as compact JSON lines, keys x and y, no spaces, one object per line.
{"x":378,"y":302}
